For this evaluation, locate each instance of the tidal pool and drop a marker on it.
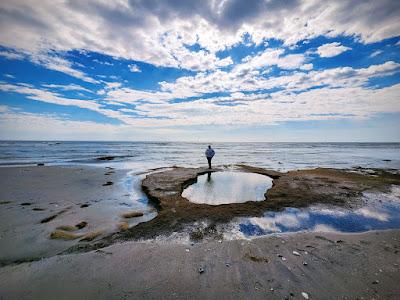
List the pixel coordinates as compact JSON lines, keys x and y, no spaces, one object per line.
{"x":380,"y":211}
{"x":215,"y":188}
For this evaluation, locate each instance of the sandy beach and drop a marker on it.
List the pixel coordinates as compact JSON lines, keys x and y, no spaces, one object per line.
{"x":281,"y":266}
{"x":338,"y":266}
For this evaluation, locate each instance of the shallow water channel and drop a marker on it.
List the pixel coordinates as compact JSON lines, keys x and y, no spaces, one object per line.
{"x":215,"y":188}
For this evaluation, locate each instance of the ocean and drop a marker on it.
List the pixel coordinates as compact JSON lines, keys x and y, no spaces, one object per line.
{"x":142,"y":156}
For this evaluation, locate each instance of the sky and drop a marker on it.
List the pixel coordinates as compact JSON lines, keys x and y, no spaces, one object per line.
{"x":212,"y":70}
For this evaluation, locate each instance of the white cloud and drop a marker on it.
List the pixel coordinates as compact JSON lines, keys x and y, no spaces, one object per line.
{"x":106,"y":63}
{"x":50,"y":61}
{"x":307,"y":67}
{"x":158,"y":32}
{"x":272,"y":57}
{"x":113,"y":85}
{"x":14,"y":123}
{"x":134,"y":68}
{"x":57,"y":63}
{"x":11,"y":55}
{"x":373,"y":214}
{"x":331,"y":49}
{"x":68,"y":87}
{"x":9,"y":76}
{"x":376,"y":53}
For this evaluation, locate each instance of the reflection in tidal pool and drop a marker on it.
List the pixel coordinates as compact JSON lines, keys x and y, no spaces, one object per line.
{"x":228,"y":187}
{"x":381,"y":211}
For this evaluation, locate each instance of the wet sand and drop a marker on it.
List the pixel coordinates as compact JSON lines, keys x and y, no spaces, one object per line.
{"x":36,"y":201}
{"x":338,"y":266}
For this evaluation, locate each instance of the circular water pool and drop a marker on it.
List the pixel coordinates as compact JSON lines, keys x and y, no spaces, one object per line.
{"x":215,"y":188}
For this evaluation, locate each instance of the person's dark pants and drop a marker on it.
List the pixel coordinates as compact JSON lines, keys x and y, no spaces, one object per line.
{"x":209,"y":162}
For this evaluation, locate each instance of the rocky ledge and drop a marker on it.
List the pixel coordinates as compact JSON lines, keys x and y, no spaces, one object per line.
{"x":292,"y":189}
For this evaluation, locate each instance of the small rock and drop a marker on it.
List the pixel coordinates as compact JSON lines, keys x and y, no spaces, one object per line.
{"x":84,"y":205}
{"x":305,"y":295}
{"x":271,"y":289}
{"x":132,"y":214}
{"x":375,"y":282}
{"x":38,"y":209}
{"x":228,"y":264}
{"x":187,"y":250}
{"x":283,"y":258}
{"x":108,"y":183}
{"x":296,"y":253}
{"x":106,"y":158}
{"x":40,"y":164}
{"x":201,"y":270}
{"x":81,"y":225}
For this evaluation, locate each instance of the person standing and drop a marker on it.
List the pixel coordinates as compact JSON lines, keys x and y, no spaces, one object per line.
{"x":209,"y":154}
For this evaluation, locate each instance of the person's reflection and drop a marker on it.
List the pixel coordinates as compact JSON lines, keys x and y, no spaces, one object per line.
{"x":208,"y":187}
{"x":209,"y":181}
{"x":208,"y":176}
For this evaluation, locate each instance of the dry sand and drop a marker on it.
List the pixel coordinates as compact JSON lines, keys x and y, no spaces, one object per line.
{"x":338,"y":266}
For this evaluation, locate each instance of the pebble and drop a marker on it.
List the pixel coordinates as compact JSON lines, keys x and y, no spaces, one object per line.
{"x":282,"y":257}
{"x":305,"y":295}
{"x":201,"y":270}
{"x":375,"y":282}
{"x":271,"y":289}
{"x":228,"y":264}
{"x":187,"y":250}
{"x":296,"y":253}
{"x":305,"y":263}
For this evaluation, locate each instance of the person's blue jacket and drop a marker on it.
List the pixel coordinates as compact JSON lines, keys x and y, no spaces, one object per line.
{"x":210,"y":153}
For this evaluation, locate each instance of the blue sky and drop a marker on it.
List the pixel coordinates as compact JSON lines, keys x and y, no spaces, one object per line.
{"x":200,"y":70}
